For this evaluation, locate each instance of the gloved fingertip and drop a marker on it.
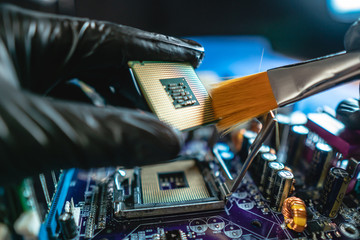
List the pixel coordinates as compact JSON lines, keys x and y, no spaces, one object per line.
{"x":352,"y":37}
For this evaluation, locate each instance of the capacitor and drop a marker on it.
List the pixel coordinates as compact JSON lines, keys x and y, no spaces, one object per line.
{"x":296,"y":141}
{"x":293,"y":184}
{"x":357,"y":186}
{"x":320,"y":165}
{"x":311,"y":140}
{"x":254,"y":168}
{"x":270,"y":174}
{"x":282,"y":186}
{"x":248,"y":139}
{"x":265,"y":159}
{"x":298,"y":118}
{"x":283,"y":122}
{"x":68,"y":226}
{"x":333,"y":192}
{"x":280,"y":131}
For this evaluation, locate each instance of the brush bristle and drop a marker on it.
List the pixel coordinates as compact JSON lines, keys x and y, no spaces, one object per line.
{"x":243,"y":98}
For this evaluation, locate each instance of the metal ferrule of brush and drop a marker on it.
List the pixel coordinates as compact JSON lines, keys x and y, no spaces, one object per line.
{"x":298,"y":81}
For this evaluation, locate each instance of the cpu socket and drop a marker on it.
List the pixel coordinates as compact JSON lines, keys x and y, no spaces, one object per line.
{"x":186,"y":185}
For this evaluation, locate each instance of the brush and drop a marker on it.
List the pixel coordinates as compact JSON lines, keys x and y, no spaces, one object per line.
{"x":240,"y":99}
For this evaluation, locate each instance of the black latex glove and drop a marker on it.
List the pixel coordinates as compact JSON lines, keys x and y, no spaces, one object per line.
{"x":348,"y":110}
{"x":39,"y":51}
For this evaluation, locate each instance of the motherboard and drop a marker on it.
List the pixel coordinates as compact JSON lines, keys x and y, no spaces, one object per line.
{"x":287,"y":175}
{"x":299,"y":186}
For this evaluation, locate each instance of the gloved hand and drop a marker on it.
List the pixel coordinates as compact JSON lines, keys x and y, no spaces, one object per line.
{"x":41,"y":51}
{"x":348,"y":110}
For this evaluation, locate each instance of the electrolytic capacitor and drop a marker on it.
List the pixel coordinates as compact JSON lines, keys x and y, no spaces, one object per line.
{"x":265,"y":159}
{"x":68,"y":226}
{"x":320,"y":165}
{"x":280,"y":132}
{"x":282,"y":186}
{"x":297,"y":137}
{"x":334,"y":190}
{"x":248,"y":138}
{"x":254,"y":168}
{"x":270,"y":174}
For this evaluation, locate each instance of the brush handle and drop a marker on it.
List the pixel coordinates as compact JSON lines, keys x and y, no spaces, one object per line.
{"x":297,"y":81}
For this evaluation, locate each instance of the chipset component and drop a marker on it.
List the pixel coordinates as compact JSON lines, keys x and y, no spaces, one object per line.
{"x":180,"y":92}
{"x":175,"y":235}
{"x":174,"y":93}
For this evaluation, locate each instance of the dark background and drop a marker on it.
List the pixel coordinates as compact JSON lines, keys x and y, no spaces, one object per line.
{"x":301,"y":28}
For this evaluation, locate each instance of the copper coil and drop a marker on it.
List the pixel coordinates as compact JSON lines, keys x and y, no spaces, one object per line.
{"x":294,"y":207}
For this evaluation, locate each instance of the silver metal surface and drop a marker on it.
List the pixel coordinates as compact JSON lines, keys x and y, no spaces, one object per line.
{"x":118,"y":191}
{"x":225,"y":185}
{"x":171,"y":209}
{"x":295,"y":82}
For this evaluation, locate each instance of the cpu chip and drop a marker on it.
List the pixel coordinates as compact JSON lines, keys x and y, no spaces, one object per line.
{"x":174,"y":93}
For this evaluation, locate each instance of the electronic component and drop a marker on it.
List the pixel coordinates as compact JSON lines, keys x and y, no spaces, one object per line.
{"x":282,"y":187}
{"x":157,"y":190}
{"x":175,"y":235}
{"x":224,"y":152}
{"x":281,"y":131}
{"x":90,"y":226}
{"x":294,"y":211}
{"x":334,"y":190}
{"x":270,"y":174}
{"x":254,"y":168}
{"x":265,"y":159}
{"x":174,"y":93}
{"x":68,"y":226}
{"x":349,"y":230}
{"x":248,"y":138}
{"x":331,"y":129}
{"x":180,"y":92}
{"x":296,"y":140}
{"x":320,"y":165}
